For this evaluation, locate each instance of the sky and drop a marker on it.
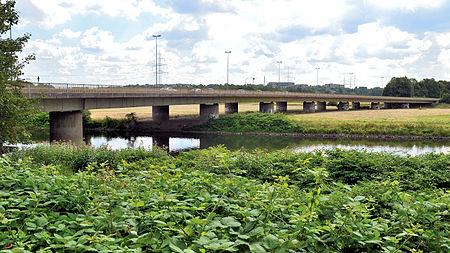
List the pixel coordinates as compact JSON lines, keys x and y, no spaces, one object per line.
{"x":351,"y":42}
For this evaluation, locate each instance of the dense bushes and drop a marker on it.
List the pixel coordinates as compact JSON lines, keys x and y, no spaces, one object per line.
{"x":219,"y":200}
{"x":254,"y":122}
{"x":280,"y":123}
{"x":41,"y":119}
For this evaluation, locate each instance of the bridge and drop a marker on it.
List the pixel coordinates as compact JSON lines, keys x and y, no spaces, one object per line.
{"x":66,"y":101}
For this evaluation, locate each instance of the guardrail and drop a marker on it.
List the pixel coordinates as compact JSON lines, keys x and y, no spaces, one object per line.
{"x":66,"y":90}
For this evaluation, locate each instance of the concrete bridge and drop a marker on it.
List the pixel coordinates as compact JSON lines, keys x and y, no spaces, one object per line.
{"x":66,"y":101}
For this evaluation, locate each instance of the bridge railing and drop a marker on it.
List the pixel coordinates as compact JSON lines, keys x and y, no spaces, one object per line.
{"x":60,"y":90}
{"x":66,"y":90}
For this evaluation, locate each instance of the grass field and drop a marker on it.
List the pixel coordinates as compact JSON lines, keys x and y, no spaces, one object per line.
{"x":382,"y":115}
{"x":175,"y":110}
{"x":439,"y":114}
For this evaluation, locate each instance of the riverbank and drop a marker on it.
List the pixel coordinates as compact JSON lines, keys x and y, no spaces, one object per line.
{"x":337,"y":124}
{"x":86,"y":199}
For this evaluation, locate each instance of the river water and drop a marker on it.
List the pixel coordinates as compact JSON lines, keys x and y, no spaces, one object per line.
{"x":180,"y":142}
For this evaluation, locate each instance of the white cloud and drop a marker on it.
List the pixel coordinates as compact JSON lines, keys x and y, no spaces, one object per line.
{"x":410,"y":5}
{"x":95,"y":38}
{"x":303,"y":34}
{"x":69,"y":34}
{"x":56,"y":12}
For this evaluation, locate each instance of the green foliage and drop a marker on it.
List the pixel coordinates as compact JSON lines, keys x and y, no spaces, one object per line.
{"x":409,"y":87}
{"x":254,"y":122}
{"x":14,"y":107}
{"x":446,"y":98}
{"x":399,"y":87}
{"x":280,"y":123}
{"x":110,"y":123}
{"x":180,"y":205}
{"x":38,"y":119}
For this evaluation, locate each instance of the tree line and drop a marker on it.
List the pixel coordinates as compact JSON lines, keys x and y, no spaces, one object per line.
{"x":410,"y":87}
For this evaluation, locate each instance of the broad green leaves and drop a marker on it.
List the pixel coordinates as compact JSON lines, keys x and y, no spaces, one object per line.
{"x":151,"y":202}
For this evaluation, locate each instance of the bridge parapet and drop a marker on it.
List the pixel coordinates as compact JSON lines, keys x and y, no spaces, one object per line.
{"x":91,"y":91}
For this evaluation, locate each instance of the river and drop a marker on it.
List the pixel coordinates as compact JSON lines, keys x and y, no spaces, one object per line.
{"x":180,"y":142}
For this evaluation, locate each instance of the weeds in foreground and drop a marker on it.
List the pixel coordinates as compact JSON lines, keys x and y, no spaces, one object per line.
{"x":215,"y":200}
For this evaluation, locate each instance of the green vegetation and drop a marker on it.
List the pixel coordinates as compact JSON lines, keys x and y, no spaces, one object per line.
{"x":410,"y":87}
{"x":109,"y":123}
{"x":14,"y":107}
{"x":41,"y":119}
{"x":219,"y":200}
{"x":280,"y":123}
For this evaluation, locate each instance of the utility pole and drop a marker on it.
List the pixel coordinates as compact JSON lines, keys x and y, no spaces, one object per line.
{"x":228,"y":64}
{"x":317,"y":77}
{"x":156,"y":36}
{"x":351,"y":75}
{"x":279,"y":71}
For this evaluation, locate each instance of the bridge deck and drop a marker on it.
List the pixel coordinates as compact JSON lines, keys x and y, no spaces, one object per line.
{"x":64,"y":97}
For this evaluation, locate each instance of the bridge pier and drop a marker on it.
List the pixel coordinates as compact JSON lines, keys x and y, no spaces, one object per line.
{"x":356,"y":105}
{"x":375,"y":106}
{"x":231,"y":108}
{"x":309,"y":107}
{"x":208,"y":112}
{"x":343,"y":106}
{"x":266,"y":107}
{"x":321,"y":106}
{"x":161,"y":141}
{"x":160,"y":113}
{"x":66,"y":127}
{"x":281,"y":106}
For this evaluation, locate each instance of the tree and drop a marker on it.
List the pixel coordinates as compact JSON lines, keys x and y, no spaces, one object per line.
{"x":15,"y":109}
{"x":399,"y":87}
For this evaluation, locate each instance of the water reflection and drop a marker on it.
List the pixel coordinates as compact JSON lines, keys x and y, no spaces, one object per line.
{"x":179,"y":142}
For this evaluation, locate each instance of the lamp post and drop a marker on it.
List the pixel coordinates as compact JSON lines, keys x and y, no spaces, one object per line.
{"x":317,"y":76}
{"x":156,"y":36}
{"x":228,"y":64}
{"x":248,"y":78}
{"x":279,"y":71}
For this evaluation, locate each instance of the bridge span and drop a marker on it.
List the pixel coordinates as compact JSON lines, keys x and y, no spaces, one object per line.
{"x":66,"y":101}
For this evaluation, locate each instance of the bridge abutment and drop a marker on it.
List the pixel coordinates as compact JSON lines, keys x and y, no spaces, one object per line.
{"x":375,"y":105}
{"x":309,"y":107}
{"x":208,"y":112}
{"x":66,"y":127}
{"x":281,"y":106}
{"x":231,"y":108}
{"x":356,"y":105}
{"x":343,"y":106}
{"x":321,"y":106}
{"x":266,"y":107}
{"x":160,"y":113}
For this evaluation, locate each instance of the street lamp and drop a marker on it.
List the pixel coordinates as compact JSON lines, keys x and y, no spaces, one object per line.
{"x":228,"y":63}
{"x":279,"y":71}
{"x":317,"y":78}
{"x":248,"y":78}
{"x":156,"y":36}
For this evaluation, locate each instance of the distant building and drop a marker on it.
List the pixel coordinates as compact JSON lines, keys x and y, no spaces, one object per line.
{"x":334,"y":85}
{"x":282,"y":85}
{"x":302,"y":85}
